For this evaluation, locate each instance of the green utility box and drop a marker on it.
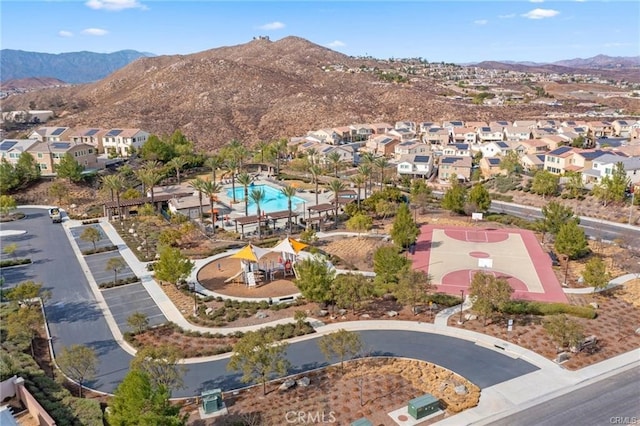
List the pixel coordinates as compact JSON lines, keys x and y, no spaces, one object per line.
{"x":211,"y":401}
{"x":361,"y":422}
{"x":423,"y":406}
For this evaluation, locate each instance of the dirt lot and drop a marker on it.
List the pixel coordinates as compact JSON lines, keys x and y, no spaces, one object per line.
{"x":370,"y":388}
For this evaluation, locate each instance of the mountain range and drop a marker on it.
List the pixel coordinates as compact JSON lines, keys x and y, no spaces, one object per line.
{"x":258,"y":91}
{"x":74,"y":67}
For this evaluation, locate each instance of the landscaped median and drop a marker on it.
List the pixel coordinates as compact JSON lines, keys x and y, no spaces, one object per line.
{"x":14,"y":262}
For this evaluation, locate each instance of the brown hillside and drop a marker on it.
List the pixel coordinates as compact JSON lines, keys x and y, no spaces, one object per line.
{"x":261,"y":90}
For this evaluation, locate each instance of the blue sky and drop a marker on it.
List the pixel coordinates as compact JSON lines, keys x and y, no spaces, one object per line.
{"x":450,"y":31}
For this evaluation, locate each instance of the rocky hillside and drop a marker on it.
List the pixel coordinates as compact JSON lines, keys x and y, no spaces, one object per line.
{"x":261,"y":90}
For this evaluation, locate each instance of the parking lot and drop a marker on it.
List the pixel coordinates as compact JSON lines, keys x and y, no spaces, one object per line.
{"x":126,"y":300}
{"x":101,"y":272}
{"x":104,"y":241}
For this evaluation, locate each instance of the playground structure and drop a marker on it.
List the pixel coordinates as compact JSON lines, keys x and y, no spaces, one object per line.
{"x":260,"y":265}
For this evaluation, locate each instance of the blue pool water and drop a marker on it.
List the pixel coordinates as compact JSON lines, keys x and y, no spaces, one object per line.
{"x":274,"y":200}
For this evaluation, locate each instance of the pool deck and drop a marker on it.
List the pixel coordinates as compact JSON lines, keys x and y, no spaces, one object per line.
{"x":237,"y":209}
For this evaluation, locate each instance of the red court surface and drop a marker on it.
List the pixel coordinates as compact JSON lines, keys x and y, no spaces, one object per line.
{"x":451,"y":255}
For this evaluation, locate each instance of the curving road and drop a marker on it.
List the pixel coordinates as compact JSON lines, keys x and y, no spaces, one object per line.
{"x":74,"y":317}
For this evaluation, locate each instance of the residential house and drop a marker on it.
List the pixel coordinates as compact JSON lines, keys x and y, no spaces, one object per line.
{"x":414,"y":166}
{"x":456,"y":150}
{"x":455,"y":166}
{"x":604,"y":165}
{"x":622,"y":128}
{"x":361,"y":132}
{"x":490,"y":166}
{"x":383,"y":145}
{"x":330,"y":136}
{"x":532,"y":162}
{"x":91,"y":136}
{"x":411,"y":148}
{"x":450,"y":125}
{"x":403,"y":133}
{"x":464,"y":135}
{"x":405,"y":125}
{"x":426,"y":125}
{"x":437,"y":136}
{"x":600,"y":129}
{"x":12,"y":149}
{"x":476,"y":124}
{"x":553,"y":141}
{"x":49,"y":154}
{"x":543,"y":132}
{"x":490,"y":134}
{"x":500,"y":123}
{"x":513,"y":133}
{"x":380,"y":128}
{"x":555,"y":161}
{"x":124,"y":141}
{"x":534,"y":146}
{"x":347,"y":154}
{"x":494,"y":149}
{"x":548,"y":123}
{"x":525,"y":124}
{"x":573,"y":123}
{"x":51,"y":134}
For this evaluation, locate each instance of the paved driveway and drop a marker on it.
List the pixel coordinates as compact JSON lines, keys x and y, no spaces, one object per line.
{"x":128,"y":299}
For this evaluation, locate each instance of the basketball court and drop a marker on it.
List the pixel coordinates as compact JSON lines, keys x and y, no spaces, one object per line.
{"x":452,"y":255}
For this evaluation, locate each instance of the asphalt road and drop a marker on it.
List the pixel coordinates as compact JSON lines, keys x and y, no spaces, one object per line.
{"x":594,"y":228}
{"x":615,"y":400}
{"x":75,"y":318}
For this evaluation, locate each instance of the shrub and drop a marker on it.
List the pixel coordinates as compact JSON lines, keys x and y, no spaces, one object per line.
{"x":90,"y":221}
{"x":522,"y":307}
{"x":120,"y":282}
{"x":14,"y":262}
{"x":99,"y":250}
{"x":443,"y":299}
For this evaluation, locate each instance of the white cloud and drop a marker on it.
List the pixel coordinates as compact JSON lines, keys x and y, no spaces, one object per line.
{"x":536,"y":1}
{"x":541,"y":13}
{"x":481,"y":22}
{"x":336,"y":43}
{"x":508,"y":16}
{"x":95,"y":31}
{"x":63,"y":33}
{"x":272,"y":26}
{"x":115,"y":5}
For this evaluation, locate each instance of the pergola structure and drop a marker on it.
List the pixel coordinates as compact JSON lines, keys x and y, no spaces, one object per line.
{"x":109,"y":206}
{"x":274,"y":216}
{"x":320,"y":208}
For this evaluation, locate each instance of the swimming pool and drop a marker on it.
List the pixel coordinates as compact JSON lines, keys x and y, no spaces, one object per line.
{"x":274,"y":199}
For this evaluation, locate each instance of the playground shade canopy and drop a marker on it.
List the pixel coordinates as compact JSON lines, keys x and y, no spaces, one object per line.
{"x":289,"y":245}
{"x":250,"y":253}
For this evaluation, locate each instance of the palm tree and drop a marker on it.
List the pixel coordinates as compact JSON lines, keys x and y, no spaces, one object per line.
{"x":261,"y":147}
{"x":149,"y":176}
{"x":238,"y":152}
{"x":315,"y":172}
{"x":279,"y":146}
{"x":335,"y":160}
{"x":197,"y":184}
{"x":336,"y":187}
{"x":177,"y":163}
{"x":289,"y":192}
{"x":214,"y":163}
{"x":245,"y":180}
{"x":231,"y":167}
{"x":382,"y":163}
{"x":210,"y":189}
{"x":312,"y":156}
{"x":359,"y":180}
{"x":257,"y":196}
{"x":366,"y":171}
{"x":114,"y":183}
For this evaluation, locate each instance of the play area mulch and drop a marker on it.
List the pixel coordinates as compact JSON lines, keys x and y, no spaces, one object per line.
{"x":214,"y":275}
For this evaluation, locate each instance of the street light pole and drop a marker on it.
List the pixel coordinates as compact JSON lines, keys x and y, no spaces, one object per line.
{"x":461,"y":304}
